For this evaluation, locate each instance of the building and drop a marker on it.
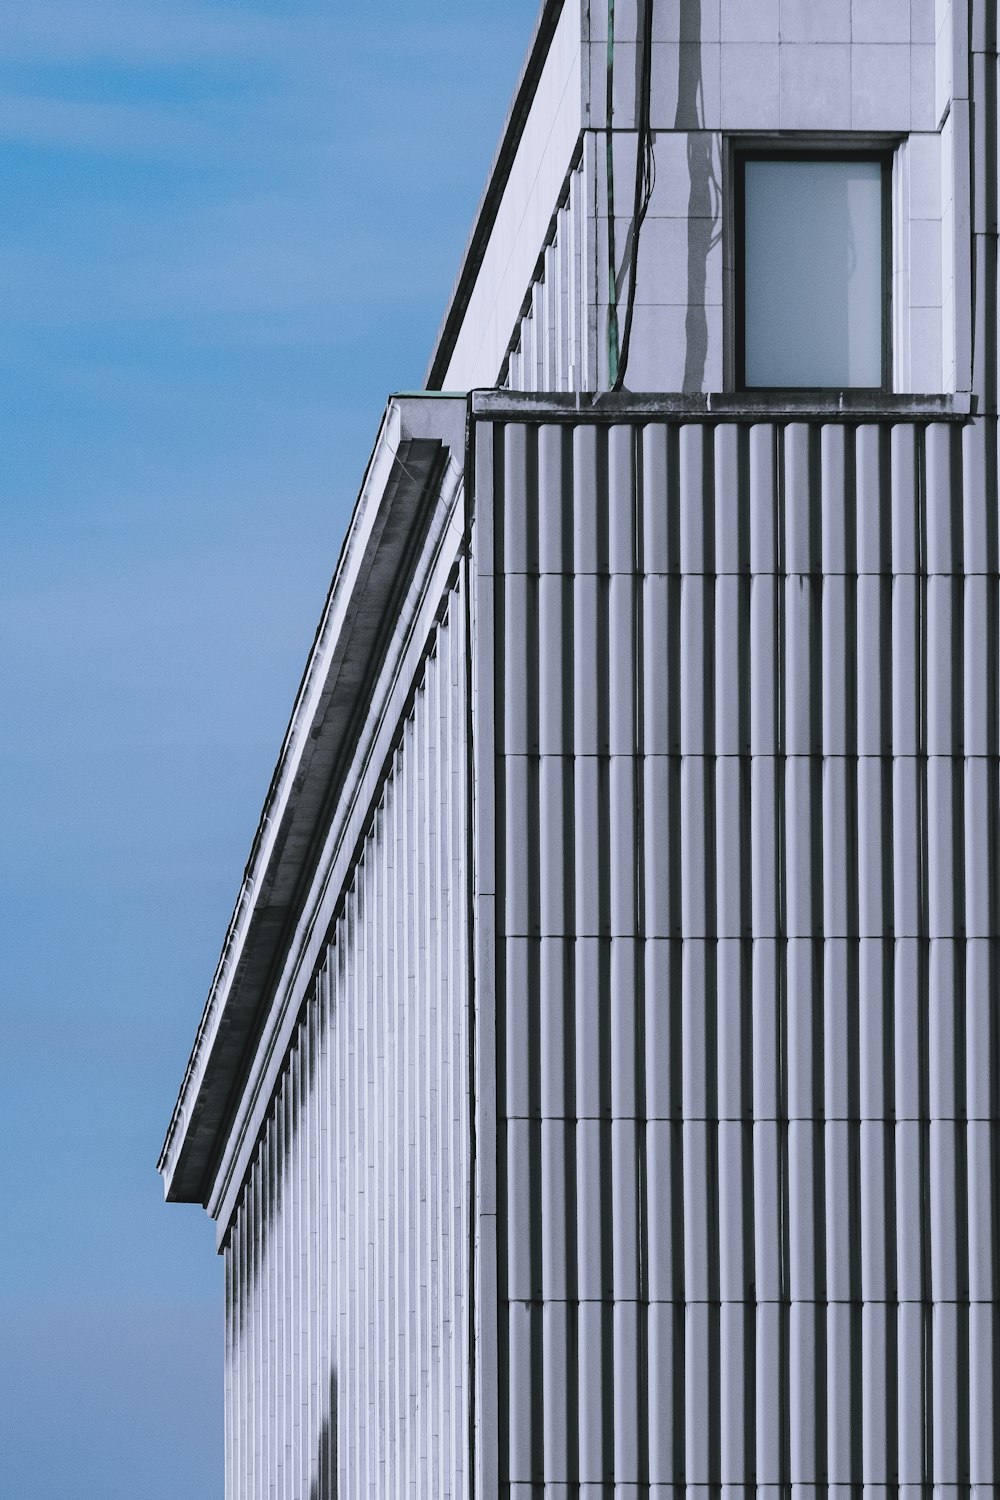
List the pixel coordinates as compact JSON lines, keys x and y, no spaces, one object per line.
{"x":598,"y":1092}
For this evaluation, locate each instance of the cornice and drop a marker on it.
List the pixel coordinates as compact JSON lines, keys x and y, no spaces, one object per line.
{"x":420,"y":441}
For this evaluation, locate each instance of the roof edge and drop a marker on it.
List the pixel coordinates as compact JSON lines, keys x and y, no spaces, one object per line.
{"x":434,"y":424}
{"x":496,"y":182}
{"x":435,"y":543}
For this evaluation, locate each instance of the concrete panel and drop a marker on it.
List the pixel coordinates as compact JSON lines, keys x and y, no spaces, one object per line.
{"x":880,"y":86}
{"x":750,"y":86}
{"x":803,"y":21}
{"x":750,"y":21}
{"x":815,"y":84}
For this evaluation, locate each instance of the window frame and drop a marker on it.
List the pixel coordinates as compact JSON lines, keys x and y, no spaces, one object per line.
{"x":839,"y":148}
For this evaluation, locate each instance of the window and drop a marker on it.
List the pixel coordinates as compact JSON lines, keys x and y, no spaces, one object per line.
{"x":813,"y":276}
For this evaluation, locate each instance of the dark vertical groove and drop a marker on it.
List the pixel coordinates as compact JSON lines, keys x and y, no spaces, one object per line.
{"x":471,"y":999}
{"x":743,"y":513}
{"x":675,"y":961}
{"x":814,"y":473}
{"x":956,"y":766}
{"x":817,"y":945}
{"x":854,"y":1190}
{"x":677,"y":1198}
{"x":853,"y":1106}
{"x":781,"y":977}
{"x":639,"y":977}
{"x":531,"y":856}
{"x":891,"y":1276}
{"x":927,"y":1329}
{"x":888,"y":1037}
{"x":538,"y":1206}
{"x":677,"y":1194}
{"x":923,"y":1053}
{"x":994,"y":1171}
{"x":604,"y":846}
{"x":568,"y":504}
{"x":819,"y":1204}
{"x":536,"y":1311}
{"x":888,"y":1004}
{"x":963,"y":1373}
{"x":854,"y":934}
{"x":500,"y":975}
{"x":711,"y":1189}
{"x":607,"y":1223}
{"x":885,"y":498}
{"x":749,"y":1297}
{"x":993,"y":906}
{"x":711,"y":1004}
{"x":749,"y":1287}
{"x":603,"y":508}
{"x":888,"y":943}
{"x":531,"y":501}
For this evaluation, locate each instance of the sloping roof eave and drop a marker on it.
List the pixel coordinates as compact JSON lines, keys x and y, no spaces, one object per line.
{"x":416,"y":437}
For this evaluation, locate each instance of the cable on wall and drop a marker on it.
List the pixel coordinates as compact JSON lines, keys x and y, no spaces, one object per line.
{"x":612,"y":257}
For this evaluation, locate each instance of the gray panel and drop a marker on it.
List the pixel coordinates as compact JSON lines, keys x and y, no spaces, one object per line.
{"x":759,"y":1208}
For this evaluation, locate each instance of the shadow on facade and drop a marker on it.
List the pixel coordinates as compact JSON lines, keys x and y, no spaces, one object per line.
{"x":704,"y":193}
{"x":324,"y":1485}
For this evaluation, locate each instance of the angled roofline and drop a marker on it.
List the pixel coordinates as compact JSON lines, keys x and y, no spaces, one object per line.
{"x":496,"y":182}
{"x":418,"y":437}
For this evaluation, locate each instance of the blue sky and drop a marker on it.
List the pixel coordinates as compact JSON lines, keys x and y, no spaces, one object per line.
{"x":227,"y":232}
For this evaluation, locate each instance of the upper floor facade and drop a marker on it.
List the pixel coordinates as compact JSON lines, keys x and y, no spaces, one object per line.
{"x":619,"y":195}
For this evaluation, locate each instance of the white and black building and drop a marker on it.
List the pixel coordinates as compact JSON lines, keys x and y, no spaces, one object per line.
{"x":598,"y":1093}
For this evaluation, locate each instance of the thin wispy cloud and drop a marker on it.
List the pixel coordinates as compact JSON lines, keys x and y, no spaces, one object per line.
{"x":205,"y":273}
{"x":94,"y":127}
{"x":144,"y":32}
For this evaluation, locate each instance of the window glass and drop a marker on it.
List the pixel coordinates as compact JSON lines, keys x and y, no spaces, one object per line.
{"x":813,"y":272}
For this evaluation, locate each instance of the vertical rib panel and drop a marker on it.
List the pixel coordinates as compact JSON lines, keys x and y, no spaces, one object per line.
{"x":346,"y":1265}
{"x":756,"y":711}
{"x":549,"y":349}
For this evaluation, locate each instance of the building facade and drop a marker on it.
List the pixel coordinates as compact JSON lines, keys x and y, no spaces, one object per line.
{"x":598,"y":1091}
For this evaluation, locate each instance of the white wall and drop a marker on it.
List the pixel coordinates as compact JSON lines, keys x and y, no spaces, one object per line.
{"x":347,"y":1262}
{"x":723,"y":68}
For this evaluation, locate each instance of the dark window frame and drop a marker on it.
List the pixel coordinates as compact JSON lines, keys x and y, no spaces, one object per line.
{"x":835,"y":151}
